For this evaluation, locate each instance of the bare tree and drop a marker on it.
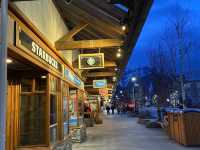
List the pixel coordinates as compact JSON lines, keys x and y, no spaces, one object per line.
{"x":169,"y":58}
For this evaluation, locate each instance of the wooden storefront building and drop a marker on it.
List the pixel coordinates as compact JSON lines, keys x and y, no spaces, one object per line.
{"x":45,"y":93}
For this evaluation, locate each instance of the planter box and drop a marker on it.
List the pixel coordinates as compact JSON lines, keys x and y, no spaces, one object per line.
{"x":184,"y":127}
{"x":189,"y":124}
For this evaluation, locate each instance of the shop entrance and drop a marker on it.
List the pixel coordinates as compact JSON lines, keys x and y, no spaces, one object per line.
{"x":26,"y":104}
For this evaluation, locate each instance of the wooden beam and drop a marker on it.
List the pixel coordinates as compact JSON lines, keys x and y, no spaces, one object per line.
{"x":73,"y":32}
{"x":88,"y":44}
{"x":90,"y":17}
{"x":100,"y":74}
{"x":83,"y":15}
{"x":108,"y":64}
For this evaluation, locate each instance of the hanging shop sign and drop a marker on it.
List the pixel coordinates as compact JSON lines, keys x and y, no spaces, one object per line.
{"x":91,"y":61}
{"x":103,"y":92}
{"x":110,"y":91}
{"x":73,"y":78}
{"x":24,"y":41}
{"x":93,"y":97}
{"x":100,"y":84}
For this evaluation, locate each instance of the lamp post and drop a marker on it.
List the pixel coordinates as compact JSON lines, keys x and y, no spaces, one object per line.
{"x":134,"y":79}
{"x":3,"y":71}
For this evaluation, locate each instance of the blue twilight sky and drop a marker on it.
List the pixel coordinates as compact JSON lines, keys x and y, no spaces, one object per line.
{"x":160,"y":13}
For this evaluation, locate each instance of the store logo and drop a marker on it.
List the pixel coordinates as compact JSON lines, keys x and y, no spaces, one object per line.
{"x":45,"y":56}
{"x":91,"y":61}
{"x":26,"y":42}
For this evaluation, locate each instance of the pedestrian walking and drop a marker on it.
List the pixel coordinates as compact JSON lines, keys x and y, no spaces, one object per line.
{"x":108,"y":109}
{"x":113,"y":109}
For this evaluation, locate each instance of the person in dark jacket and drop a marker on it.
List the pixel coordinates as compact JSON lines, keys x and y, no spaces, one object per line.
{"x":108,"y":109}
{"x":113,"y":109}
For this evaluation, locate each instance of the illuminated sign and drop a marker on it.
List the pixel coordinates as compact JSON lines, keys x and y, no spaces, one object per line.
{"x":91,"y":61}
{"x":73,"y":78}
{"x":99,"y":83}
{"x":103,"y":92}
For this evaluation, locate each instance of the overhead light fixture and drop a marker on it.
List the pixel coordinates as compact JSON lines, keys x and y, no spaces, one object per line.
{"x":123,"y":27}
{"x":114,"y":79}
{"x":8,"y":60}
{"x":119,"y":50}
{"x":118,"y":55}
{"x":116,"y":69}
{"x":67,"y":2}
{"x":43,"y":77}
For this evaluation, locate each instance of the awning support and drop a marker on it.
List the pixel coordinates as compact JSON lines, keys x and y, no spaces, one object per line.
{"x":3,"y":71}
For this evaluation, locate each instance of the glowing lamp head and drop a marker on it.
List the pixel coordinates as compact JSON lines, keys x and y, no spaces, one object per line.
{"x":118,"y":55}
{"x":123,"y":27}
{"x":133,"y":79}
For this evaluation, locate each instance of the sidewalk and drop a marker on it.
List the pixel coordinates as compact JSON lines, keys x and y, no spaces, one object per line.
{"x":123,"y":133}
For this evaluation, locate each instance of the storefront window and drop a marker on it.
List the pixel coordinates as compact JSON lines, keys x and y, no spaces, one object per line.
{"x":32,"y":119}
{"x":73,"y":120}
{"x":54,"y":100}
{"x":40,"y":83}
{"x":65,"y":116}
{"x":53,"y":85}
{"x":53,"y":118}
{"x":32,"y":112}
{"x":26,"y":84}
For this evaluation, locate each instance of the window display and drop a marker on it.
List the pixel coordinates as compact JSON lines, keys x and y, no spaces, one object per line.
{"x":73,"y":108}
{"x":65,"y":116}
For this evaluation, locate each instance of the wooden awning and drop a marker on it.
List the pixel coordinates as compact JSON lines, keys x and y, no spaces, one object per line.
{"x":97,"y":24}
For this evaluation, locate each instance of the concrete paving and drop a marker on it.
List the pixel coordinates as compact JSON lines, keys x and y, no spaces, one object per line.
{"x":123,"y":133}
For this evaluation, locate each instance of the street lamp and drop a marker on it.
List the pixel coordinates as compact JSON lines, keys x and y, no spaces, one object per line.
{"x":133,"y":79}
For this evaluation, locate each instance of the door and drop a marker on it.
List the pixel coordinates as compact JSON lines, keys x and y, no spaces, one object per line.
{"x":12,"y":115}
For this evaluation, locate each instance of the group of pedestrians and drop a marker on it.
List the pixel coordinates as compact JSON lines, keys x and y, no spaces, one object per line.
{"x":121,"y":109}
{"x":110,"y":107}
